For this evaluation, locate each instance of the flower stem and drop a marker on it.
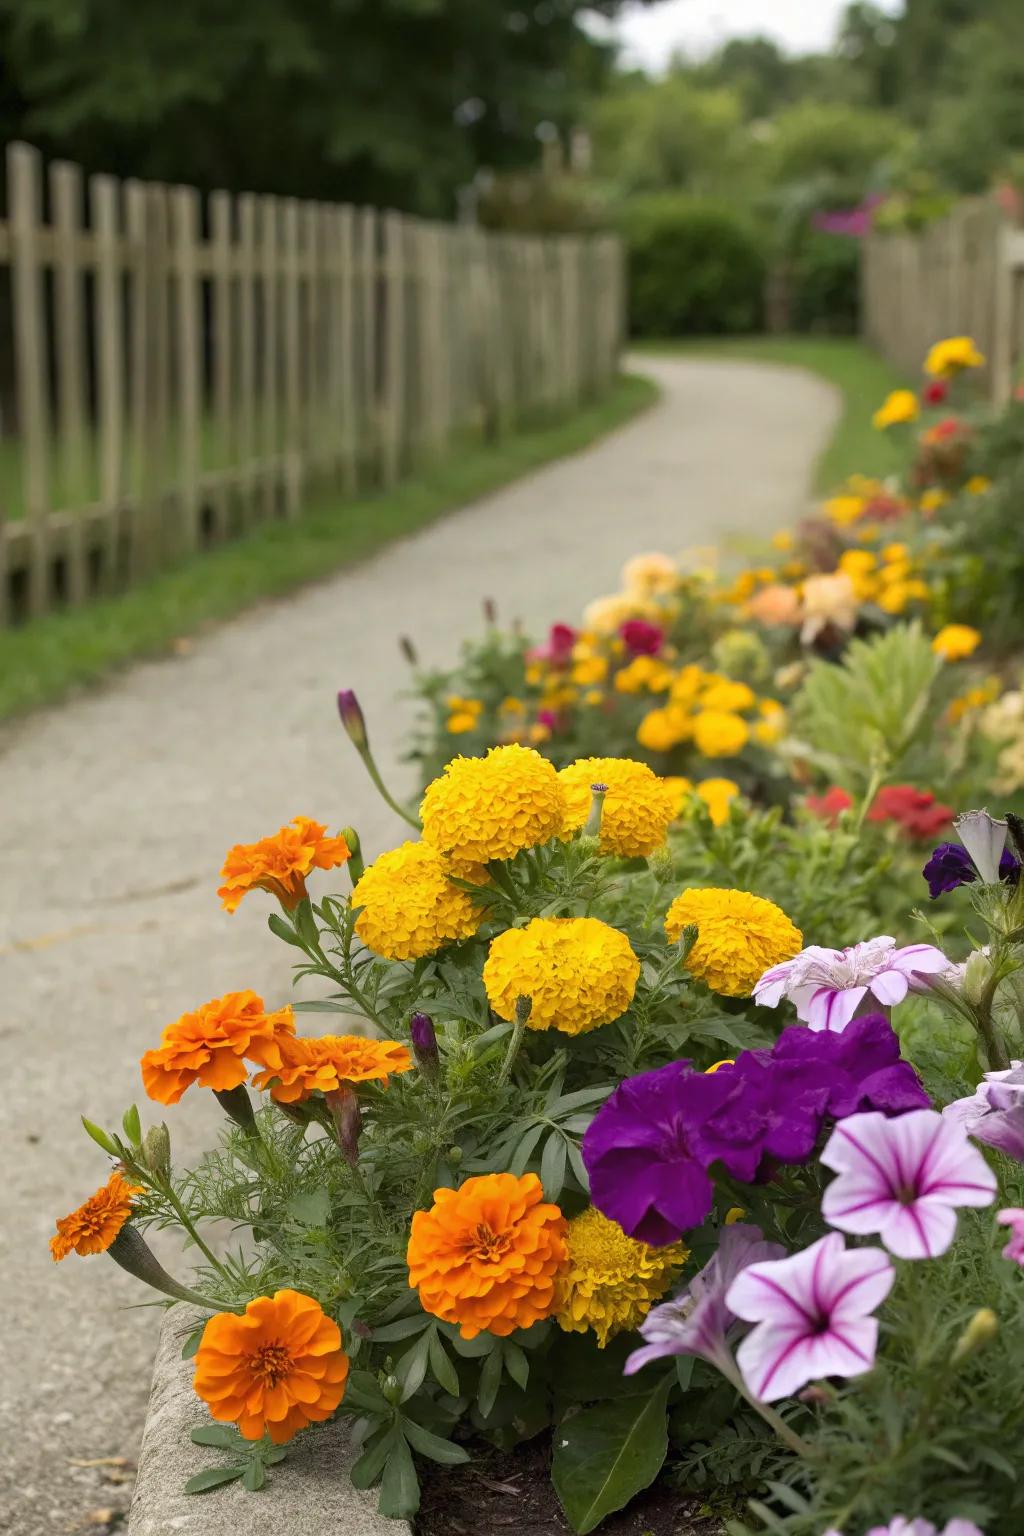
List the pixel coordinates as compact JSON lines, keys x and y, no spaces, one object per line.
{"x":193,"y":1232}
{"x":382,"y":789}
{"x":516,"y":1040}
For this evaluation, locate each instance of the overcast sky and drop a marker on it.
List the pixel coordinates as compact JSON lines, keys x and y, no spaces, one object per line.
{"x":650,"y":35}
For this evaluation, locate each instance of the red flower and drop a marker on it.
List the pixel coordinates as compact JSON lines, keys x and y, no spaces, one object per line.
{"x":558,"y":647}
{"x":935,"y":391}
{"x":641,"y":638}
{"x":829,"y":806}
{"x":917,"y":811}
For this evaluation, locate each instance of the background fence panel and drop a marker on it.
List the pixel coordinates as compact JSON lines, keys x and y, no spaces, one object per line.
{"x":183,"y":367}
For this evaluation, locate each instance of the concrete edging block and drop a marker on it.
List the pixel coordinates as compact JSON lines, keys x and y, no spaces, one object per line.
{"x":307,"y":1494}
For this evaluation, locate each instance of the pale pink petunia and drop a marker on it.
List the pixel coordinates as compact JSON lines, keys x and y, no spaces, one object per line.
{"x":903,"y":1179}
{"x":813,"y":1315}
{"x":829,"y":985}
{"x":1013,"y":1217}
{"x":899,"y":1525}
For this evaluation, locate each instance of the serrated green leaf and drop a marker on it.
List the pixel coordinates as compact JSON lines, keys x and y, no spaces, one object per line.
{"x":605,"y":1455}
{"x":399,"y":1485}
{"x":255,"y":1475}
{"x":212,"y":1477}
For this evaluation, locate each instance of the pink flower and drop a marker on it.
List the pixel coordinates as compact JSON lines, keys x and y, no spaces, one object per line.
{"x":558,"y":647}
{"x":1013,"y":1217}
{"x":813,"y":1316}
{"x":903,"y":1179}
{"x":828,"y":985}
{"x":641,"y":638}
{"x":900,"y":1526}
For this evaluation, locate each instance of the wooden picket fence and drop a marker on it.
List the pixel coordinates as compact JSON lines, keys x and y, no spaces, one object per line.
{"x":181,"y":372}
{"x":960,"y":276}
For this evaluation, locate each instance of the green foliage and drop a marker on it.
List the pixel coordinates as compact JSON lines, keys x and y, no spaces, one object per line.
{"x":832,"y":142}
{"x":825,"y":274}
{"x":695,"y":267}
{"x":607,"y":1454}
{"x":669,"y":135}
{"x":247,"y":1464}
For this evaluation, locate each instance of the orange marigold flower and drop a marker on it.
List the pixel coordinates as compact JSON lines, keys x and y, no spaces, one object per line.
{"x":324,"y":1064}
{"x":209,"y":1046}
{"x":486,"y":1256}
{"x":280,"y":864}
{"x":274,"y":1370}
{"x":93,"y":1227}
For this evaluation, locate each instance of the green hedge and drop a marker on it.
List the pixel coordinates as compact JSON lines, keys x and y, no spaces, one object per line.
{"x":695,"y":268}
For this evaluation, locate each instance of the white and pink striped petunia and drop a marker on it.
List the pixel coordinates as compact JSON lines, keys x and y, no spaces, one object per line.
{"x":904,"y":1180}
{"x":829,"y":985}
{"x":1013,"y":1217}
{"x":813,"y":1315}
{"x":901,"y":1526}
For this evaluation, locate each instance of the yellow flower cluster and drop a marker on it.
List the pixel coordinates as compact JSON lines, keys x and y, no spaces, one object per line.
{"x":577,"y":972}
{"x":717,"y":795}
{"x":707,"y":709}
{"x":611,"y":1281}
{"x":952,"y":356}
{"x":955,"y":642}
{"x":739,"y":937}
{"x":410,"y":907}
{"x":637,"y":806}
{"x":464,"y":714}
{"x":492,"y":807}
{"x":899,"y":407}
{"x":889,"y":579}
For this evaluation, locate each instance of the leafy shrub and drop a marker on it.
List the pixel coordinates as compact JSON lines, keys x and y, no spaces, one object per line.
{"x":695,"y":267}
{"x":826,"y":283}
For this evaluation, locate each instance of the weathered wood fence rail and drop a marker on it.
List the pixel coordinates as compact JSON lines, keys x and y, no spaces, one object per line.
{"x":184,"y":370}
{"x":962,"y":275}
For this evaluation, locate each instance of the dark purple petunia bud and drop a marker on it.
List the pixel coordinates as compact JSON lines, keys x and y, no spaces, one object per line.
{"x":408,"y":650}
{"x":348,"y":1121}
{"x":424,"y":1043}
{"x":352,"y":717}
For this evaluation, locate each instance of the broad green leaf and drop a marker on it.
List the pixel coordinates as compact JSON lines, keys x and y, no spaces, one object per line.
{"x":213,"y":1477}
{"x":578,"y":1166}
{"x":403,"y":1329}
{"x":225,"y":1436}
{"x":192,"y":1343}
{"x":490,"y":1380}
{"x":525,"y":1150}
{"x":516,"y":1364}
{"x":399,"y":1486}
{"x":432,"y":1446}
{"x":552,"y":1165}
{"x":412,"y":1367}
{"x":282,"y":930}
{"x":607,"y":1454}
{"x":366,"y":1470}
{"x":363,"y":1391}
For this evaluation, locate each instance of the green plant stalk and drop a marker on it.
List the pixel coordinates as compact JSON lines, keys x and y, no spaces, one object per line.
{"x":518,"y":1031}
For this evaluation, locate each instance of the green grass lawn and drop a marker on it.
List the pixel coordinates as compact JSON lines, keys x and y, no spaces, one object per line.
{"x":49,"y":658}
{"x":862,"y":377}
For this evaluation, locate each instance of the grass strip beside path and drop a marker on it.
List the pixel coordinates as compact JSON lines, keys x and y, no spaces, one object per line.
{"x":51,"y":657}
{"x":862,"y":377}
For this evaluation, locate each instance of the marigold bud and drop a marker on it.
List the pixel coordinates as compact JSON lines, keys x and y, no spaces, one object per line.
{"x":981,"y":1330}
{"x":352,"y":717}
{"x":156,"y":1150}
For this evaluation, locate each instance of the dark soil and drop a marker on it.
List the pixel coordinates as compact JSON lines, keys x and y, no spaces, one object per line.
{"x":509,"y":1493}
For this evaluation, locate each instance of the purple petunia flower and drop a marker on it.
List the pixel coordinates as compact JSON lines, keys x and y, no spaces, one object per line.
{"x":829,"y":985}
{"x":650,"y":1148}
{"x":994,"y":1112}
{"x":813,"y":1315}
{"x":697,"y":1320}
{"x":950,"y":866}
{"x":903,"y":1180}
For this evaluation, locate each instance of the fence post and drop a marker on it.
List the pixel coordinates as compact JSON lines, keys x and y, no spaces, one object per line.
{"x":30,"y":351}
{"x":66,"y":203}
{"x":246,"y":257}
{"x":393,"y":269}
{"x":292,"y":375}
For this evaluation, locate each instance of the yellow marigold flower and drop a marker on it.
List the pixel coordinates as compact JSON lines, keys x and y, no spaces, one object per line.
{"x":577,"y":972}
{"x":662,"y":729}
{"x":539,"y":733}
{"x":740,"y":936}
{"x":491,"y":807}
{"x":650,"y":574}
{"x":687,"y":684}
{"x":93,"y":1227}
{"x":280,"y":864}
{"x":951,"y":356}
{"x":534,"y":674}
{"x":512,"y":706}
{"x":329,"y":1062}
{"x":857,"y":562}
{"x":590,"y":669}
{"x":680,"y":789}
{"x":605,"y":614}
{"x":977,"y":485}
{"x":894,"y":597}
{"x":717,"y":733}
{"x":844,"y":510}
{"x":954,"y":642}
{"x":210,"y":1046}
{"x":895,"y":571}
{"x":718,"y":795}
{"x":931,"y":500}
{"x":611,"y":1281}
{"x":895,"y":553}
{"x":783,"y":540}
{"x":410,"y":907}
{"x":458,"y":724}
{"x":487,"y":1255}
{"x":868,"y":533}
{"x":727,"y":696}
{"x":464,"y":706}
{"x":975,"y":698}
{"x":637,"y":806}
{"x":275,"y":1369}
{"x":644,"y":673}
{"x":898,"y":407}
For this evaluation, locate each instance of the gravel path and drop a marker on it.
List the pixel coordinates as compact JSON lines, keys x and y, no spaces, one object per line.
{"x":117,"y":810}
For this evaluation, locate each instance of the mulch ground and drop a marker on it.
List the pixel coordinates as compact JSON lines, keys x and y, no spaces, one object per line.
{"x":499,"y":1492}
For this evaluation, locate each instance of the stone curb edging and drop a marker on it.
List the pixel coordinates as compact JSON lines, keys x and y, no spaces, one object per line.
{"x":307,"y":1494}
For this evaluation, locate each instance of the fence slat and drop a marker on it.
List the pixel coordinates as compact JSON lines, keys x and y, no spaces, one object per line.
{"x":269,"y":226}
{"x":247,"y":386}
{"x":103,"y":199}
{"x":69,"y":355}
{"x":223,"y":433}
{"x":25,"y":199}
{"x":185,"y":238}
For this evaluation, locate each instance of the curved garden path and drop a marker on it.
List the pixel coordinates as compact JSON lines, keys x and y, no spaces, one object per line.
{"x":115,"y":812}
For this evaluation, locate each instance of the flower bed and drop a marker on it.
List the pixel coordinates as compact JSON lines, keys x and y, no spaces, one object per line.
{"x":646,"y":1112}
